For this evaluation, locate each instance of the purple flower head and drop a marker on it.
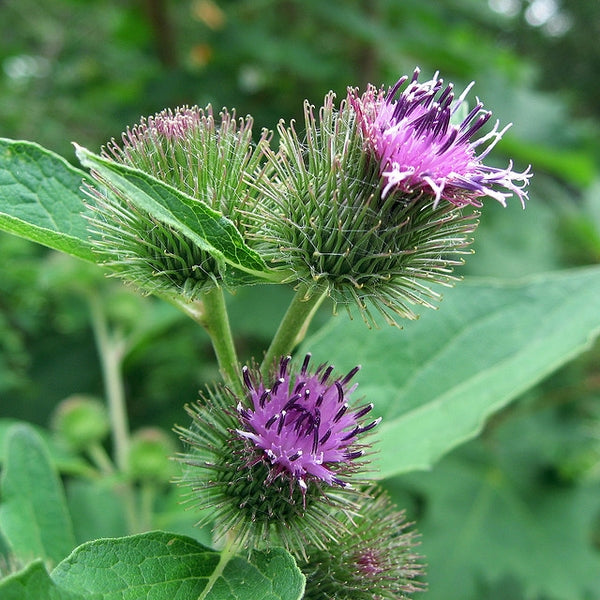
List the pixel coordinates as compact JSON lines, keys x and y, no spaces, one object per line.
{"x":303,"y":425}
{"x":421,"y":149}
{"x":276,"y":470}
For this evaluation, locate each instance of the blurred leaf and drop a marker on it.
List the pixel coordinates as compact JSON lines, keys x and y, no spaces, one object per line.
{"x":96,"y":509}
{"x":439,"y":379}
{"x":34,"y":583}
{"x":173,"y":515}
{"x":512,"y":242}
{"x":164,"y":566}
{"x":40,"y":198}
{"x":575,"y":166}
{"x":33,"y":513}
{"x":490,"y":505}
{"x":64,"y":459}
{"x":208,"y":228}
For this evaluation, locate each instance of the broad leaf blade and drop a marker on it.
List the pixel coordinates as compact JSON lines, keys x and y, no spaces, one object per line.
{"x":206,"y":227}
{"x":33,"y":514}
{"x":269,"y":575}
{"x":34,"y":583}
{"x":536,"y":535}
{"x":167,"y":566}
{"x":40,"y":198}
{"x":437,"y":381}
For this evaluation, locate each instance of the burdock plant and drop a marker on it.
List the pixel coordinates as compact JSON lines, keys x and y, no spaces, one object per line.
{"x":373,"y":205}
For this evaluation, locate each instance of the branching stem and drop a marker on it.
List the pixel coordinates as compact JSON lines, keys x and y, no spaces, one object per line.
{"x":294,"y":324}
{"x":211,"y":313}
{"x":111,"y":350}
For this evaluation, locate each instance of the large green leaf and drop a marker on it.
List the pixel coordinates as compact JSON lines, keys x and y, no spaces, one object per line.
{"x":208,"y":228}
{"x":437,"y":381}
{"x":166,"y":566}
{"x":505,"y":519}
{"x":34,"y":519}
{"x":40,"y":198}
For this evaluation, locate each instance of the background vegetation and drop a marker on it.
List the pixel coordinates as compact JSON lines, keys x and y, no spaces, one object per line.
{"x":75,"y":70}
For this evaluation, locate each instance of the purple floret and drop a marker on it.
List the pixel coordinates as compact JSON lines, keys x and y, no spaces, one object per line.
{"x":303,"y":425}
{"x":422,"y":147}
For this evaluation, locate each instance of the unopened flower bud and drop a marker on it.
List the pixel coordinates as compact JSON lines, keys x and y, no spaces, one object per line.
{"x":208,"y":158}
{"x":149,"y":457}
{"x":81,"y":420}
{"x":374,"y":560}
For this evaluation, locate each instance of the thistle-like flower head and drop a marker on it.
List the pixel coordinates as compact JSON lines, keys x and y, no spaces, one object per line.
{"x":278,"y":464}
{"x":325,"y":218}
{"x":208,"y":157}
{"x":375,"y":202}
{"x":421,"y":145}
{"x":303,"y":426}
{"x":375,"y":560}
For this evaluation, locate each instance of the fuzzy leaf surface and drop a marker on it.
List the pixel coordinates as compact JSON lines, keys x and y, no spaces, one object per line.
{"x":165,"y":566}
{"x":208,"y":228}
{"x":40,"y":198}
{"x":436,"y":381}
{"x":34,"y":519}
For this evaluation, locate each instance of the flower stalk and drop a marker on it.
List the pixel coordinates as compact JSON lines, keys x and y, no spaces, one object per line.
{"x":211,"y":313}
{"x":111,"y":352}
{"x":294,"y":325}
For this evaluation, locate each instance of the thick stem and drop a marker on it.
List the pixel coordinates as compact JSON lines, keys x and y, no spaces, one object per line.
{"x":294,"y":325}
{"x":211,"y":313}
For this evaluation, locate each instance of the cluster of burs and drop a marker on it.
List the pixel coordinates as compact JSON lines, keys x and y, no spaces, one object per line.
{"x":371,"y":203}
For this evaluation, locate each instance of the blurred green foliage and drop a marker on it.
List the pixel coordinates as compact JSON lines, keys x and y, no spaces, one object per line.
{"x":83,"y":70}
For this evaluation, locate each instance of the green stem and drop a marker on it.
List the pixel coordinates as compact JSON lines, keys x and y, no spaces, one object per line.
{"x":130,"y":505}
{"x":228,"y":552}
{"x":211,"y":313}
{"x":111,"y":353}
{"x":294,"y":325}
{"x":99,"y":457}
{"x":147,"y":497}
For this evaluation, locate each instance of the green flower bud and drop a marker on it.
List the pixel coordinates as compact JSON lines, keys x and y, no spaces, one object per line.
{"x":374,"y":560}
{"x":149,"y":457}
{"x":81,"y":421}
{"x":208,"y":158}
